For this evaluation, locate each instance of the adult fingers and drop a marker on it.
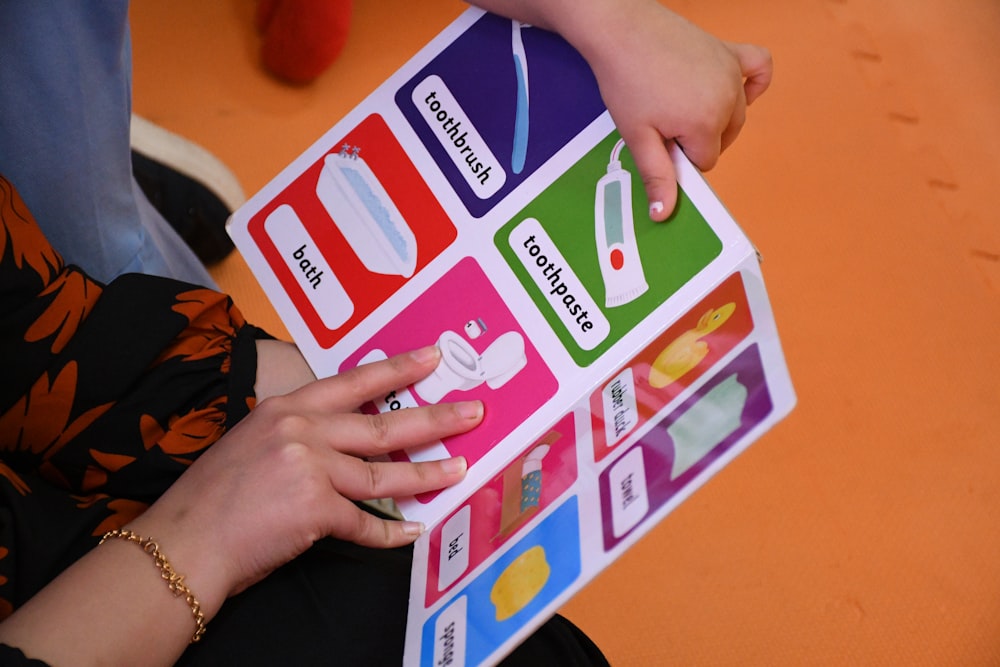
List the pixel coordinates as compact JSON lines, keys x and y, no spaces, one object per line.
{"x":356,"y":525}
{"x":369,"y":435}
{"x":657,"y":170}
{"x":757,"y":68}
{"x":352,"y":388}
{"x":358,"y":479}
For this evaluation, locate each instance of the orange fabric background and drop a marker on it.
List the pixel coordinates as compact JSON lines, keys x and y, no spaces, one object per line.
{"x":864,"y":528}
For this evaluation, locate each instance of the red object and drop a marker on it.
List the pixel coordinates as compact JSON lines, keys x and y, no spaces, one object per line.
{"x":302,"y":38}
{"x":617,"y":259}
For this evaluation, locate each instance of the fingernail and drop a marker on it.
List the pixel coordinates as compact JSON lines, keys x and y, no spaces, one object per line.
{"x":413,"y":528}
{"x":425,"y":354}
{"x":655,"y":208}
{"x":454,"y":465}
{"x":469,"y":409}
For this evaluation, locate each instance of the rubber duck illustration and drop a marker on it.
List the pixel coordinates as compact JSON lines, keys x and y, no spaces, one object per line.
{"x":687,"y":350}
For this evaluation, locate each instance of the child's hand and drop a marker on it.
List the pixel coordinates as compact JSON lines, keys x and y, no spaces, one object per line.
{"x":661,"y":78}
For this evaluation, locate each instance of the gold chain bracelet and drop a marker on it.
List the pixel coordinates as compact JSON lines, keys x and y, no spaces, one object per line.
{"x":175,"y":582}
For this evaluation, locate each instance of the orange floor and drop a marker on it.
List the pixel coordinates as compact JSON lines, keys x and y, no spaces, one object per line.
{"x":865,"y":529}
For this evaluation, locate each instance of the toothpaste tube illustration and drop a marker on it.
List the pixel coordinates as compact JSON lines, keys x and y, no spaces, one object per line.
{"x":614,"y":229}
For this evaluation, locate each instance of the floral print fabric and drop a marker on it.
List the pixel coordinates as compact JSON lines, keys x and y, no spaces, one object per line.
{"x":108,"y":393}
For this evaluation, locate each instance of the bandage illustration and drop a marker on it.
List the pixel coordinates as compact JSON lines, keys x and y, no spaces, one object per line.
{"x":365,"y":214}
{"x":614,"y":229}
{"x":707,"y":423}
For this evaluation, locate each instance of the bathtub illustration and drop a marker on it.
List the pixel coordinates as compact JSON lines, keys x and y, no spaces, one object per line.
{"x":365,"y":214}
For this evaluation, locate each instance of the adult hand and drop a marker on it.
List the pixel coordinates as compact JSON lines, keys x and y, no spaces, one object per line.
{"x":281,"y":479}
{"x":286,"y":476}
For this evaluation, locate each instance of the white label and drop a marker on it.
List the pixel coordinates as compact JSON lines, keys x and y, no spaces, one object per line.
{"x":559,"y":283}
{"x":449,"y":635}
{"x":629,"y":500}
{"x":306,"y":262}
{"x":620,"y":413}
{"x":454,"y":559}
{"x":459,"y":137}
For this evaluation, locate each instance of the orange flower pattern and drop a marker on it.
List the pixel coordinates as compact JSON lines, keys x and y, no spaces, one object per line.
{"x":109,"y":392}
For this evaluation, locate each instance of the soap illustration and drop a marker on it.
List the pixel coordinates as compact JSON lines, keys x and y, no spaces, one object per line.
{"x":520,"y":582}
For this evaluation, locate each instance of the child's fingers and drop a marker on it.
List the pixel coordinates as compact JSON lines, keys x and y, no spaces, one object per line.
{"x":702,"y":149}
{"x":757,"y":67}
{"x":657,"y":171}
{"x":736,"y":122}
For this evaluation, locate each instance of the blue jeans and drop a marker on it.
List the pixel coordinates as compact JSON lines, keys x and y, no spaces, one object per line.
{"x":65,"y":105}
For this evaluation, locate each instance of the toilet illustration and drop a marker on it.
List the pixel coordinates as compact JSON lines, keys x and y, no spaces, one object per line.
{"x":462,"y":368}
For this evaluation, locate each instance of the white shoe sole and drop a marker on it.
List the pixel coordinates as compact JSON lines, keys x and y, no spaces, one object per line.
{"x":188,"y":158}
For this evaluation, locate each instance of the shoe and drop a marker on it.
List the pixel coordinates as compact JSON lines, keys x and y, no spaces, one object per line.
{"x":189,"y":186}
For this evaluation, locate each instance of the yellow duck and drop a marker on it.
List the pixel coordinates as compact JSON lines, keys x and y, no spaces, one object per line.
{"x":687,"y":350}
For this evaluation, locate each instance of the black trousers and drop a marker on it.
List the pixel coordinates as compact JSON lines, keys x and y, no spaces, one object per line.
{"x":341,"y":604}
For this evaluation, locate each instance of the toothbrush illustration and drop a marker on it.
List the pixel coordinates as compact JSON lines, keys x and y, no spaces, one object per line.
{"x":614,"y":228}
{"x":521,"y":112}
